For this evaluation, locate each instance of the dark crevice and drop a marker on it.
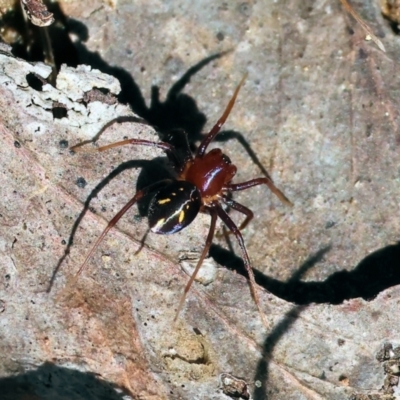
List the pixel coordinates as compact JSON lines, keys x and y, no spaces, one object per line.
{"x":34,"y":82}
{"x":59,"y":111}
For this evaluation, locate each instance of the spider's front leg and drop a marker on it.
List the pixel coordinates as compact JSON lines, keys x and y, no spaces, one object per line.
{"x":259,"y":181}
{"x":139,"y":194}
{"x":140,"y":142}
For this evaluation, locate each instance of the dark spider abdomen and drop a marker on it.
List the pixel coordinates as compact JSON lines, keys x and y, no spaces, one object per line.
{"x":174,"y":207}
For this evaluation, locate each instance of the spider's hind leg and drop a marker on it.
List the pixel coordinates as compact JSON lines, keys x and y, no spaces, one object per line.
{"x":246,"y":260}
{"x":139,"y":194}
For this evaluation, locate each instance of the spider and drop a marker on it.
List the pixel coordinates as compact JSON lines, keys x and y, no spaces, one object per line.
{"x":202,"y":183}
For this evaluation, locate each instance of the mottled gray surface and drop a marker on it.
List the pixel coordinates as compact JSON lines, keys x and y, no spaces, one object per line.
{"x":319,"y":109}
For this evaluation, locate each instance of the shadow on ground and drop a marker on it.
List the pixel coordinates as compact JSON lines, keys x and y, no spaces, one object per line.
{"x":375,"y":273}
{"x":51,"y":382}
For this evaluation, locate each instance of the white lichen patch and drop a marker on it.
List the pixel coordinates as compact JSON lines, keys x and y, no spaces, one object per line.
{"x":77,"y":81}
{"x":71,"y":86}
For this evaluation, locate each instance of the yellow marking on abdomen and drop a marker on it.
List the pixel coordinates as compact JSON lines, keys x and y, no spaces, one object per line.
{"x":163,"y":201}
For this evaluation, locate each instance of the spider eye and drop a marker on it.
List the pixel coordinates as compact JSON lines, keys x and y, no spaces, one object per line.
{"x":174,"y":207}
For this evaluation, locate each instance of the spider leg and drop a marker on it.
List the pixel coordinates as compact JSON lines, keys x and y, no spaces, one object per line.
{"x":142,"y":242}
{"x":231,"y":225}
{"x":168,"y":148}
{"x":201,"y":259}
{"x":241,"y":208}
{"x":139,"y":194}
{"x":216,"y":128}
{"x":119,"y":120}
{"x":161,"y":145}
{"x":259,"y":181}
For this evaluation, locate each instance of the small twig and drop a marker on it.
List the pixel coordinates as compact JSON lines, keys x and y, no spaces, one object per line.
{"x":37,"y":12}
{"x":364,"y":25}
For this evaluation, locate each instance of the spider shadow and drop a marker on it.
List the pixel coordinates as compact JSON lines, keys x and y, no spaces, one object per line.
{"x":375,"y":273}
{"x":178,"y":110}
{"x":262,"y":370}
{"x":49,"y":381}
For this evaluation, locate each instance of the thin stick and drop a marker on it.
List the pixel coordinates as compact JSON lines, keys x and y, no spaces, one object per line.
{"x":363,"y":24}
